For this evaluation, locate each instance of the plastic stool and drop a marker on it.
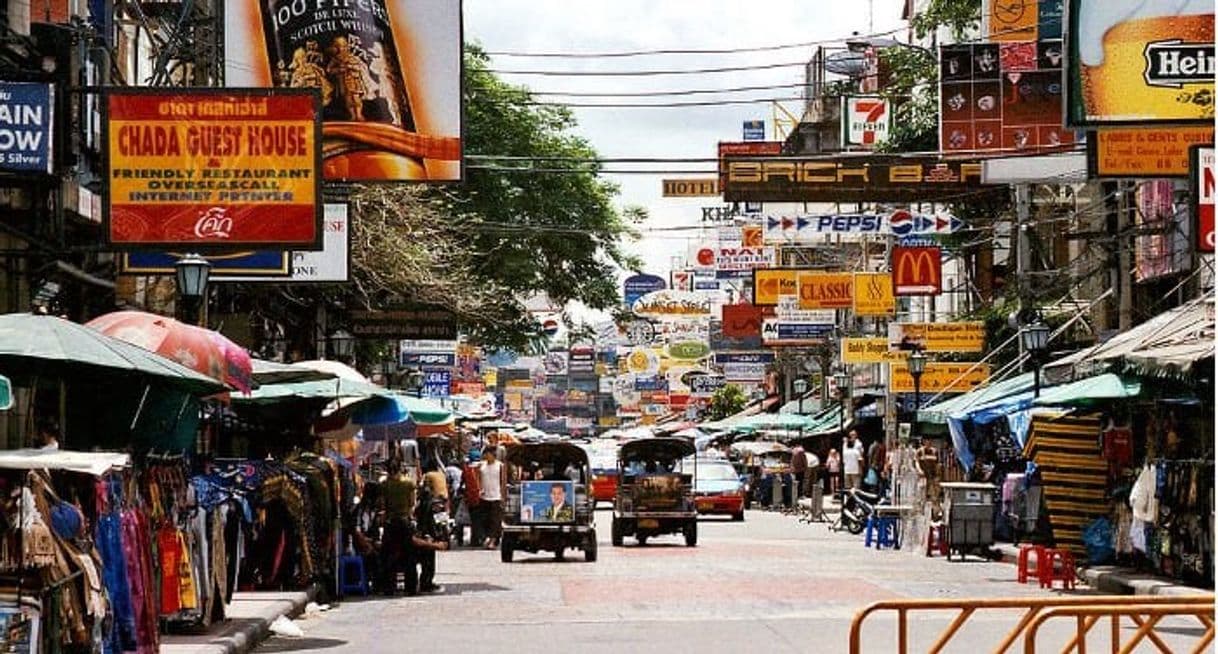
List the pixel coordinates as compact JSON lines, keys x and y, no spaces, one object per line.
{"x":352,"y":578}
{"x":1024,"y":560}
{"x":1050,"y":571}
{"x":936,"y":540}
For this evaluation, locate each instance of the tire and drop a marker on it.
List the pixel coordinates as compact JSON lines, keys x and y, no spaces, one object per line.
{"x":642,"y":539}
{"x":738,"y":517}
{"x":616,"y":533}
{"x":854,"y":526}
{"x":590,"y":550}
{"x":691,"y":534}
{"x":506,"y":549}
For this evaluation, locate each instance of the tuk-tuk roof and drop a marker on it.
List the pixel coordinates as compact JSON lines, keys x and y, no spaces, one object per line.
{"x":644,"y":448}
{"x":521,"y":453}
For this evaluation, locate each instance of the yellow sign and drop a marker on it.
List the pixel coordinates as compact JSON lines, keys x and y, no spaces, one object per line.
{"x":873,"y":295}
{"x":608,"y":421}
{"x":939,"y":377}
{"x":937,"y":336}
{"x":819,"y":290}
{"x":690,"y":188}
{"x":870,"y":350}
{"x":771,"y":283}
{"x":1144,"y":152}
{"x":490,"y":377}
{"x":1012,"y":20}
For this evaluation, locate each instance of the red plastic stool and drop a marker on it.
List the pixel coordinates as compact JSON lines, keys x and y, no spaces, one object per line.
{"x":1050,"y":571}
{"x":936,"y":540}
{"x":1024,"y":569}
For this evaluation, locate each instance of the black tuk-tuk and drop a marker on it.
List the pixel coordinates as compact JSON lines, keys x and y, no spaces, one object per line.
{"x":653,"y":496}
{"x":548,"y":506}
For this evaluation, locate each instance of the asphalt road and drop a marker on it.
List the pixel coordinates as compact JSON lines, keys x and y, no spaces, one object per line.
{"x":768,"y":584}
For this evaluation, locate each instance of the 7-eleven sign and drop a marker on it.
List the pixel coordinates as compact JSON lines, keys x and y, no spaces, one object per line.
{"x":865,"y":121}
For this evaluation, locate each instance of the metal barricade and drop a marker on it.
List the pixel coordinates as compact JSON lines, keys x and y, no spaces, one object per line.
{"x":1144,"y":616}
{"x":1034,"y":608}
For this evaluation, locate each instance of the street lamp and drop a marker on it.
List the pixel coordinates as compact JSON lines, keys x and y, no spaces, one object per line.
{"x":342,"y":342}
{"x":1035,"y":338}
{"x":191,"y":273}
{"x":842,"y":379}
{"x":801,"y":386}
{"x":917,"y":366}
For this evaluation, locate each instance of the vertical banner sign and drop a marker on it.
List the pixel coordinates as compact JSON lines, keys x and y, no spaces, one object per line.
{"x":917,"y":271}
{"x":826,"y":290}
{"x":865,"y":121}
{"x":212,"y":168}
{"x":388,"y":71}
{"x":1203,"y":196}
{"x":873,"y":295}
{"x":26,"y":127}
{"x":1145,"y":62}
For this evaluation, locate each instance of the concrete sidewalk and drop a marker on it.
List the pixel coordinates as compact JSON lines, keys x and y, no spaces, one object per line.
{"x":249,"y":619}
{"x":1115,"y":580}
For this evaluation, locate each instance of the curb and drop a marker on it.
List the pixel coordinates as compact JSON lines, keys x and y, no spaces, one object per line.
{"x":1118,"y":581}
{"x":249,"y":620}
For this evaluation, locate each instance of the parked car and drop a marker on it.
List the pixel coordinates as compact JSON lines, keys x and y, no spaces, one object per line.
{"x":654,"y":496}
{"x":604,"y":474}
{"x":548,"y":505}
{"x":718,"y":489}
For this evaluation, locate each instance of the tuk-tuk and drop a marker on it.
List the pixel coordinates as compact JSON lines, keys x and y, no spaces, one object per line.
{"x":654,"y":496}
{"x":548,"y":503}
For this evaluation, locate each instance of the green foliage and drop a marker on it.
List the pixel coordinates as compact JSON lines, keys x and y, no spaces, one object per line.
{"x":727,"y":401}
{"x":959,"y":16}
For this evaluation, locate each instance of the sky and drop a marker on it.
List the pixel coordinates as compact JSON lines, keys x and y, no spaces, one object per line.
{"x":582,"y":26}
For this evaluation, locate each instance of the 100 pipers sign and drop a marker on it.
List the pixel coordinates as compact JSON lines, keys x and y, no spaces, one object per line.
{"x":213,"y":169}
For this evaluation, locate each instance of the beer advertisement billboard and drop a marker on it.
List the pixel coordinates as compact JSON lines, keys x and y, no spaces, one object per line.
{"x":820,"y":290}
{"x":873,"y":295}
{"x":212,"y":169}
{"x":1203,"y":195}
{"x":848,"y":178}
{"x":388,"y":72}
{"x":938,"y":377}
{"x":937,"y":336}
{"x":917,"y":271}
{"x":1150,"y":61}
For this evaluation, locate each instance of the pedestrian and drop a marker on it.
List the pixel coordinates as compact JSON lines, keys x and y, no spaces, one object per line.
{"x":799,"y":469}
{"x":833,"y":466}
{"x":491,"y":482}
{"x":436,"y":483}
{"x":48,"y":435}
{"x":852,"y":459}
{"x":471,"y":498}
{"x":409,"y":449}
{"x":926,"y":459}
{"x":877,"y":456}
{"x":399,"y":494}
{"x":426,"y":538}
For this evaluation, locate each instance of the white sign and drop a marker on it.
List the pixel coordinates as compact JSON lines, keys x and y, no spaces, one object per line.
{"x":794,"y":229}
{"x":787,"y":310}
{"x":329,"y":265}
{"x":438,"y":347}
{"x":865,"y":121}
{"x":744,"y":372}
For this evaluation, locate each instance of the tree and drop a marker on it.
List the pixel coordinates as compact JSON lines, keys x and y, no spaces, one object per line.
{"x":727,"y":401}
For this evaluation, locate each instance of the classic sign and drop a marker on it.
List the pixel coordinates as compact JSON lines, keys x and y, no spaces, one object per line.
{"x":819,"y":290}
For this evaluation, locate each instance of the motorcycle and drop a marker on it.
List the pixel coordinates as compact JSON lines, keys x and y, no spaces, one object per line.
{"x":857,"y":507}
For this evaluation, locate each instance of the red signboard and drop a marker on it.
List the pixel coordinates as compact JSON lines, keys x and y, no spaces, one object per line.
{"x":917,"y":271}
{"x":213,"y":169}
{"x":1203,"y":195}
{"x":745,"y":148}
{"x":741,"y":321}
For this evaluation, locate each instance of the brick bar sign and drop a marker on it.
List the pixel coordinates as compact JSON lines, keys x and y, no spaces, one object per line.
{"x":211,"y":169}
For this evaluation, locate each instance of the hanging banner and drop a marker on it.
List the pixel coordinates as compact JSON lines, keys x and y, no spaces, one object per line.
{"x":212,"y":168}
{"x":870,"y":350}
{"x":849,"y":178}
{"x":388,"y":72}
{"x":917,"y":271}
{"x":27,"y":123}
{"x":819,"y":290}
{"x":937,"y":336}
{"x":1203,"y":195}
{"x":938,"y":377}
{"x":1150,"y":62}
{"x":1141,"y":153}
{"x":873,"y":295}
{"x":769,"y":284}
{"x":865,"y":121}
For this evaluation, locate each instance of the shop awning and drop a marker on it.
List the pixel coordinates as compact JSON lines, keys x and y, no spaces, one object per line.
{"x":91,"y":463}
{"x":782,"y":421}
{"x":1085,"y":392}
{"x":980,"y":398}
{"x":271,"y":372}
{"x":334,"y":389}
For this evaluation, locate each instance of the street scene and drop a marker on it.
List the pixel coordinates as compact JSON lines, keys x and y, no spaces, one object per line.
{"x":494,"y":325}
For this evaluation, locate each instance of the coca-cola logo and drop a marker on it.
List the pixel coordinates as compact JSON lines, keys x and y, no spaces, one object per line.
{"x":214,"y":223}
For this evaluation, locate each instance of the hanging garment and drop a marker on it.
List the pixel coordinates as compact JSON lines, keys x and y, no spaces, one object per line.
{"x":1137,"y":535}
{"x":1142,"y":496}
{"x":171,"y":585}
{"x":122,"y":633}
{"x":189,"y":600}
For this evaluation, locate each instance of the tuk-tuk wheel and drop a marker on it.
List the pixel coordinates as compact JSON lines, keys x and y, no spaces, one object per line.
{"x":590,"y":551}
{"x":616,"y":533}
{"x":506,"y":549}
{"x":691,"y":534}
{"x":642,"y":538}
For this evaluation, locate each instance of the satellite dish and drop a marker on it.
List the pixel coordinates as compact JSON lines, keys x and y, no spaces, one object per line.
{"x":850,"y":64}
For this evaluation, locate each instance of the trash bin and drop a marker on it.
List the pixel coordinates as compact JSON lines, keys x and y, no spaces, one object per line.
{"x":968,"y":511}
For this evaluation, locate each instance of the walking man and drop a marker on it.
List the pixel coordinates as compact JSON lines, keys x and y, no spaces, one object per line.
{"x":852,"y":459}
{"x":491,"y":476}
{"x":799,"y":469}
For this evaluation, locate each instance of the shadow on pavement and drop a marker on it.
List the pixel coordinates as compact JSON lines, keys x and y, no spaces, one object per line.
{"x":283,"y":644}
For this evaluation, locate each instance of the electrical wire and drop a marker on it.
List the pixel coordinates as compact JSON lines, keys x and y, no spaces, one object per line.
{"x":688,"y":51}
{"x":648,"y":73}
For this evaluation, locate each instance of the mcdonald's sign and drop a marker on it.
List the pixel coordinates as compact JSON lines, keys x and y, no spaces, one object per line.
{"x":917,"y":271}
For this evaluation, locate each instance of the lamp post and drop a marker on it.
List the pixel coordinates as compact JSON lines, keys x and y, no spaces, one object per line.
{"x":191,"y":273}
{"x":917,"y":366}
{"x":342,"y":343}
{"x":842,"y":380}
{"x":1035,"y":339}
{"x":801,"y":386}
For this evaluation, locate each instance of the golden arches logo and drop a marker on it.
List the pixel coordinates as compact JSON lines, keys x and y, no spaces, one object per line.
{"x":916,"y":271}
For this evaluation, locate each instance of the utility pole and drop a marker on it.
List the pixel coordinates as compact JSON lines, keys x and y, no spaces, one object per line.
{"x":1125,"y":207}
{"x":1023,"y":249}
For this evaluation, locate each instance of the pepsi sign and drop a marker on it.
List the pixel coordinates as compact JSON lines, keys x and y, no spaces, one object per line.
{"x":428,"y":359}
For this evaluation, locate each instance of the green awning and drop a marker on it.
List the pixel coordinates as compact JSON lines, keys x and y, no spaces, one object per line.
{"x":424,"y":411}
{"x":1090,"y":390}
{"x":775,"y":421}
{"x":6,"y":393}
{"x":334,"y":389}
{"x":938,"y":412}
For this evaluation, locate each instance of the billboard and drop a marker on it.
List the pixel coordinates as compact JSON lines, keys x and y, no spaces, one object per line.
{"x":939,"y":377}
{"x":865,"y":121}
{"x":212,"y":169}
{"x":1203,"y":195}
{"x":1142,"y":153}
{"x":849,"y":178}
{"x":331,"y":265}
{"x":1152,"y":62}
{"x":776,"y":333}
{"x":873,"y":295}
{"x":769,"y":284}
{"x":636,"y":286}
{"x":1002,"y":20}
{"x":870,"y":350}
{"x":937,"y":336}
{"x":437,"y":383}
{"x":27,"y":119}
{"x":411,"y":322}
{"x":789,"y":230}
{"x":268,"y":264}
{"x":821,"y":290}
{"x":741,"y":321}
{"x":669,"y":304}
{"x":388,"y":72}
{"x":1001,"y":97}
{"x":905,"y":223}
{"x":917,"y":271}
{"x":757,"y":148}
